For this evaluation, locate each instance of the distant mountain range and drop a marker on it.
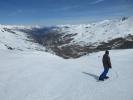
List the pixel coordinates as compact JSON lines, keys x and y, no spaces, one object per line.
{"x":70,"y":41}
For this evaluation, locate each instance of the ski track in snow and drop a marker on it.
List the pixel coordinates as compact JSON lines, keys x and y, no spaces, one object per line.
{"x":43,"y":76}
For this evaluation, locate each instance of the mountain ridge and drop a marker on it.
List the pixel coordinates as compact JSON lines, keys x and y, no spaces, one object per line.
{"x":73,"y":41}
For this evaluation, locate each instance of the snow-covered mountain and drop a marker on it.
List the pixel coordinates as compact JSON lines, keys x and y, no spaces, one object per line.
{"x":76,"y":40}
{"x":11,"y":38}
{"x":101,"y":31}
{"x":70,"y":41}
{"x":36,"y":75}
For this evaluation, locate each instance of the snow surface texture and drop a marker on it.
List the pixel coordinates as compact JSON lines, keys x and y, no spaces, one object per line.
{"x":100,"y":31}
{"x":43,"y":76}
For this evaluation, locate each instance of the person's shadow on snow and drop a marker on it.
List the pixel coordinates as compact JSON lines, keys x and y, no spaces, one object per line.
{"x":92,"y":75}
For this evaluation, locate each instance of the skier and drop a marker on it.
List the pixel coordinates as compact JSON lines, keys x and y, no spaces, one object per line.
{"x":106,"y":65}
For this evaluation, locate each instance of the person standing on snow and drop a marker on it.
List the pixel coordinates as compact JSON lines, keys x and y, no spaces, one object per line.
{"x":106,"y":64}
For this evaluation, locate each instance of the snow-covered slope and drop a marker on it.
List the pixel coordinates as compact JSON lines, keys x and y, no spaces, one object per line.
{"x":43,"y":76}
{"x":101,"y":31}
{"x":36,"y":75}
{"x":12,"y":38}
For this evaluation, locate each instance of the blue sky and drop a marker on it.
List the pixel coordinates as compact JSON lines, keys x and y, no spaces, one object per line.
{"x":52,"y":12}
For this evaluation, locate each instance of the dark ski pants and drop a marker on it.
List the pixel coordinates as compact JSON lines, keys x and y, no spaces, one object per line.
{"x":103,"y":75}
